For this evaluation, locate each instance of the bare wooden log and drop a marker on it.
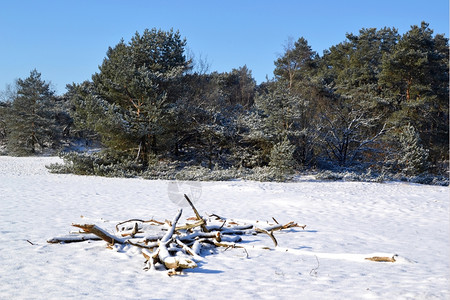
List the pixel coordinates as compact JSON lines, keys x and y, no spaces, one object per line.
{"x":199,"y":217}
{"x":74,"y":238}
{"x":171,"y":231}
{"x":190,"y":226}
{"x":227,"y":245}
{"x":382,"y":258}
{"x":207,"y":236}
{"x":239,"y":229}
{"x":101,"y":233}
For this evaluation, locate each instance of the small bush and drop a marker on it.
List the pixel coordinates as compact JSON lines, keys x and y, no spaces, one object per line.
{"x":100,"y":164}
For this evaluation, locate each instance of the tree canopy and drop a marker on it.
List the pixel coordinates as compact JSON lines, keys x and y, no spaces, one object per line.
{"x":378,"y":100}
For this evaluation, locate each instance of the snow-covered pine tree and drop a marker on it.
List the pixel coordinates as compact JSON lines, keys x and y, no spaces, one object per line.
{"x":413,"y":158}
{"x":282,"y":157}
{"x":255,"y":140}
{"x":278,"y":114}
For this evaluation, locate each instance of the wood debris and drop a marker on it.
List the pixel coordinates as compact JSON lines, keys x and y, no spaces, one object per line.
{"x":382,"y":258}
{"x":173,"y":246}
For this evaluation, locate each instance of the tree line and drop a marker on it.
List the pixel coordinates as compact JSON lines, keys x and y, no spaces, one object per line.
{"x":376,"y":101}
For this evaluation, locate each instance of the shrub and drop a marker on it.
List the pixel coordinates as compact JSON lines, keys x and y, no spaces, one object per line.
{"x":282,"y":156}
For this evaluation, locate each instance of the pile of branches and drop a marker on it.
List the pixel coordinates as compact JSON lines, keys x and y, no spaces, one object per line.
{"x":173,"y":246}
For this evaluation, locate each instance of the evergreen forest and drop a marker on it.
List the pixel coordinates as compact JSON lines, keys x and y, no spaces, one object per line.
{"x":375,"y":106}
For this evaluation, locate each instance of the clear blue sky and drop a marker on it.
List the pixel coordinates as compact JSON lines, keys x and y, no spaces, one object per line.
{"x":66,"y":40}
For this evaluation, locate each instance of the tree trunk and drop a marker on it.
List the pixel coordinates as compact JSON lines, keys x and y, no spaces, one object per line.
{"x":408,"y":89}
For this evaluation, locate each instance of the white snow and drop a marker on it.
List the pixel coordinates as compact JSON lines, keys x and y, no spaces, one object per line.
{"x":346,"y":222}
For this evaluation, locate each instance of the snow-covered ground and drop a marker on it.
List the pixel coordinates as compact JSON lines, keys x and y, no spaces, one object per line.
{"x":346,"y":222}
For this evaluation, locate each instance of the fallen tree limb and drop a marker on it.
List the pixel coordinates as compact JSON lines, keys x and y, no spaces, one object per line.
{"x":101,"y":233}
{"x":281,"y":226}
{"x":192,"y":225}
{"x":169,"y":233}
{"x":188,"y":250}
{"x":175,"y":247}
{"x":232,"y":230}
{"x":270,"y":234}
{"x":199,"y":217}
{"x":195,"y":235}
{"x":74,"y":239}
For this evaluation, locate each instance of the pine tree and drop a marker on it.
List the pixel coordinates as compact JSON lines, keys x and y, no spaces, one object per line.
{"x":128,"y":100}
{"x":237,"y":87}
{"x":286,"y":113}
{"x":4,"y":110}
{"x":352,"y":70}
{"x":355,"y":64}
{"x":414,"y":79}
{"x":31,"y":122}
{"x":413,"y":158}
{"x":297,"y":60}
{"x":282,"y":157}
{"x":214,"y":135}
{"x":296,"y":70}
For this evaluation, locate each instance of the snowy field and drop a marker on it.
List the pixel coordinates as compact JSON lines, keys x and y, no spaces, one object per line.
{"x":346,"y":222}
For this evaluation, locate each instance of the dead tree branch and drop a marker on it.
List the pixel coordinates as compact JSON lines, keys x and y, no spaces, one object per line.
{"x":172,"y":245}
